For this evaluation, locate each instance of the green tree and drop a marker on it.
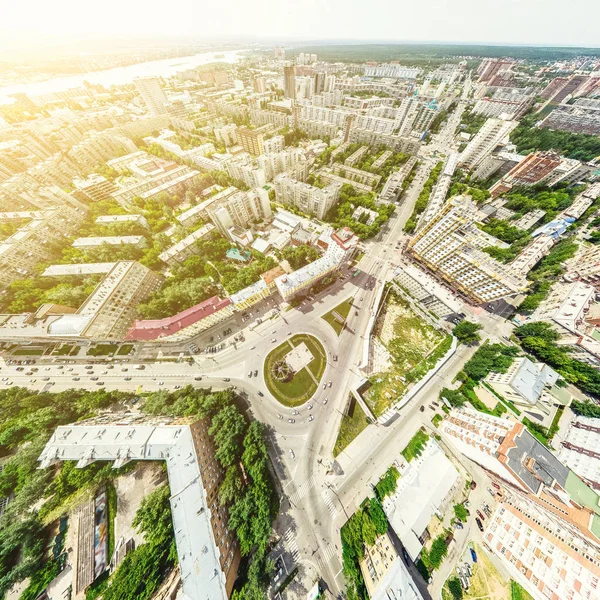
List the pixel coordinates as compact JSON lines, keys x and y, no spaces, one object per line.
{"x":226,"y":429}
{"x":461,"y":512}
{"x":466,"y":332}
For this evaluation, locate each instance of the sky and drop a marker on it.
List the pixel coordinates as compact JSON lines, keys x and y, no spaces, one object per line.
{"x":531,"y":22}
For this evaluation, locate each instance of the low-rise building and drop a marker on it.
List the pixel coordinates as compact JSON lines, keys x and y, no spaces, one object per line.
{"x":185,"y":324}
{"x":208,"y":550}
{"x":94,"y":188}
{"x":116,"y":219}
{"x":250,"y":295}
{"x":186,"y":247}
{"x":139,"y":241}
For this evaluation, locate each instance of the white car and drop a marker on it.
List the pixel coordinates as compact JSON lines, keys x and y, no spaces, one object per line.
{"x":273,"y":341}
{"x":310,"y":407}
{"x":292,"y":454}
{"x":311,"y":417}
{"x":325,"y":401}
{"x":324,"y":385}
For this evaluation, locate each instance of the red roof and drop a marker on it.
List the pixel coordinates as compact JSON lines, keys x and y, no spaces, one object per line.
{"x":155,"y":328}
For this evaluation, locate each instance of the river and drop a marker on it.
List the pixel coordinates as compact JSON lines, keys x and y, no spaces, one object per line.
{"x":119,"y":75}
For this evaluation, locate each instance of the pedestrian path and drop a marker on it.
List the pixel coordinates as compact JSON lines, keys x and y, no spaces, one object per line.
{"x":325,"y":556}
{"x":329,"y":503}
{"x":302,"y":490}
{"x":291,"y":545}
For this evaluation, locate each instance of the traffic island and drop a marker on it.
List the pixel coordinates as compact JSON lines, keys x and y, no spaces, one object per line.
{"x":337,"y":316}
{"x":294,"y":369}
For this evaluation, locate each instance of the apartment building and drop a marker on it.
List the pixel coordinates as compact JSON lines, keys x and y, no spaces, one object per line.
{"x":491,"y":67}
{"x":358,"y":175}
{"x":251,"y":140}
{"x":226,"y":134}
{"x":546,"y":526}
{"x":575,"y":118}
{"x":587,"y":266}
{"x":185,"y":324}
{"x":494,"y":133}
{"x":450,"y":245}
{"x":152,"y":95}
{"x":185,"y":248}
{"x":243,"y":169}
{"x":275,"y":163}
{"x":110,"y":309}
{"x":208,"y":550}
{"x":307,"y":198}
{"x":93,"y":188}
{"x":532,"y":170}
{"x":560,"y":88}
{"x":392,"y":70}
{"x":240,"y":209}
{"x":37,"y":241}
{"x":138,"y":241}
{"x":579,"y":449}
{"x":274,"y":144}
{"x":512,"y":102}
{"x":199,"y":212}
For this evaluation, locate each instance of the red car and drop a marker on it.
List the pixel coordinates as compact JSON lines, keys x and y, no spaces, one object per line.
{"x":480,"y":515}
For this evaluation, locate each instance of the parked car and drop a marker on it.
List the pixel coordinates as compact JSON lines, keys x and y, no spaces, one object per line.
{"x":480,"y":515}
{"x":325,"y":401}
{"x":479,"y":525}
{"x":292,"y":454}
{"x":256,"y":373}
{"x":260,"y":394}
{"x":311,"y":418}
{"x":291,"y":420}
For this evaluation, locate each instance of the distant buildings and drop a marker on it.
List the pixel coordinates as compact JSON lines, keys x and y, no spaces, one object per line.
{"x":251,"y":140}
{"x":452,"y":247}
{"x":511,"y":102}
{"x":94,"y":188}
{"x":186,"y":247}
{"x":546,"y":526}
{"x":491,"y":67}
{"x":152,"y":95}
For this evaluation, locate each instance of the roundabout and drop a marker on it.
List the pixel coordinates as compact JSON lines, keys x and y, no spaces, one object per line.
{"x":294,"y":369}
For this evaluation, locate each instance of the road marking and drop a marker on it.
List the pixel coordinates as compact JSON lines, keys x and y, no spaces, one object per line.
{"x":329,"y":502}
{"x":329,"y":552}
{"x":292,"y":546}
{"x":303,"y":490}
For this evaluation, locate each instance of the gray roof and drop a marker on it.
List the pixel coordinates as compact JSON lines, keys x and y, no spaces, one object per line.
{"x":531,"y":378}
{"x":545,"y":467}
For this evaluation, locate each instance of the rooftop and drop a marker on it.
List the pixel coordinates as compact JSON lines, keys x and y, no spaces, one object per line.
{"x":130,"y":438}
{"x":78,"y":269}
{"x":110,"y":240}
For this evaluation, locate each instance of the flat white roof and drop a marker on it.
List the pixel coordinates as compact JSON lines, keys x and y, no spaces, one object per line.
{"x":78,"y":269}
{"x":421,"y":489}
{"x":314,"y":269}
{"x":110,"y":240}
{"x":120,"y":219}
{"x":248,"y":292}
{"x":120,"y":442}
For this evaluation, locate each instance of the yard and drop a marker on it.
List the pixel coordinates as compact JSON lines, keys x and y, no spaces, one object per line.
{"x":415,"y":446}
{"x":485,"y":584}
{"x":352,"y":424}
{"x":409,"y":340}
{"x":102,"y":350}
{"x":343,"y":310}
{"x":304,"y":383}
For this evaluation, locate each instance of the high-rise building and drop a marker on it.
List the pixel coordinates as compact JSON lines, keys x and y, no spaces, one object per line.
{"x":532,"y":170}
{"x":319,"y":82}
{"x":309,"y":199}
{"x":494,"y":133}
{"x":289,"y":81}
{"x":546,"y":527}
{"x":259,"y":84}
{"x":251,"y":140}
{"x":152,"y":94}
{"x":451,"y":245}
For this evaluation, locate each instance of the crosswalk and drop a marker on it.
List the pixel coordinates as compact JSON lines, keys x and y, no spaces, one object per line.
{"x":302,"y":490}
{"x":291,"y":544}
{"x":329,"y":503}
{"x":325,"y":556}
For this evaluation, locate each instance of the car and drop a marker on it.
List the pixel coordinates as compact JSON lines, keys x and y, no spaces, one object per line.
{"x":325,"y":401}
{"x":295,"y":412}
{"x":20,"y":368}
{"x":161,"y":383}
{"x":94,"y":378}
{"x":109,"y":367}
{"x":422,"y":408}
{"x":76,"y":378}
{"x":292,"y":454}
{"x":291,"y":420}
{"x":487,"y":511}
{"x":127,"y":378}
{"x":289,"y":333}
{"x":279,"y":416}
{"x":86,"y":366}
{"x":494,"y":484}
{"x":324,"y":385}
{"x":311,"y":417}
{"x":356,"y":313}
{"x":253,"y":348}
{"x":260,"y":394}
{"x":273,"y":341}
{"x":432,"y":407}
{"x":479,"y":524}
{"x":198,"y":378}
{"x":255,"y":372}
{"x":491,"y":492}
{"x":405,"y":556}
{"x":459,"y":525}
{"x":310,"y":407}
{"x":226,"y":379}
{"x":99,"y":382}
{"x":249,"y":373}
{"x":335,"y":358}
{"x":176,"y":387}
{"x":126,"y":369}
{"x":329,"y":384}
{"x":480,"y":515}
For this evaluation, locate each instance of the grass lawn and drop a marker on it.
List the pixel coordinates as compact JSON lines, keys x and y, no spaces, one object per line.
{"x":415,"y":446}
{"x":518,"y":593}
{"x":437,"y":418}
{"x":350,"y":427}
{"x":410,"y":342}
{"x":303,"y":385}
{"x":343,"y":310}
{"x":63,"y":350}
{"x":28,"y":351}
{"x":102,"y":350}
{"x":125,"y":349}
